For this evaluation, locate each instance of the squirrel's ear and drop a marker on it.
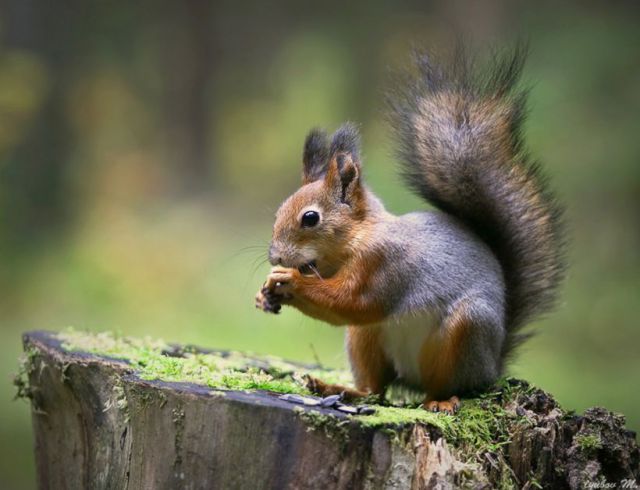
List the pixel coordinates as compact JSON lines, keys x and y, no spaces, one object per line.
{"x":346,"y":140}
{"x":315,"y":157}
{"x":343,"y":176}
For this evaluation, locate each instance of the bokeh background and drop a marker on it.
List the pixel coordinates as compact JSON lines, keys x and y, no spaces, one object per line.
{"x":144,"y":147}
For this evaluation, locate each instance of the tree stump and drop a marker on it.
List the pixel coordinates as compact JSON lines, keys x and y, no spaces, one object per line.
{"x":112,"y":412}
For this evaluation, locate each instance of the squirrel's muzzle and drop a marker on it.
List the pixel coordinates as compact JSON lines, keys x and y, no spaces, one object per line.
{"x":274,"y":256}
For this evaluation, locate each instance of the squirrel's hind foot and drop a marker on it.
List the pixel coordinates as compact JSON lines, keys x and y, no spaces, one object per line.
{"x":320,"y":388}
{"x":450,"y":406}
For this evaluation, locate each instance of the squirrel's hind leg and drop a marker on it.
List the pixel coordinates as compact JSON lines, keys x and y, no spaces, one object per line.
{"x":463,"y":355}
{"x":371,"y":370}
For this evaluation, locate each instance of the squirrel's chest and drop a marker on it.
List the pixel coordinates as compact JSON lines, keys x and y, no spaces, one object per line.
{"x":403,"y":340}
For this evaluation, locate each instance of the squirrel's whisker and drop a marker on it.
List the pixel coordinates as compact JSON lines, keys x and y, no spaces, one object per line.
{"x":315,"y":271}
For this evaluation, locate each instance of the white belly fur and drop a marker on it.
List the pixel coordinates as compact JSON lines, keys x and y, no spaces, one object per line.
{"x":403,"y":339}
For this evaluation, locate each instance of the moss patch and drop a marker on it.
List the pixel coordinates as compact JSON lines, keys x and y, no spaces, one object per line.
{"x":157,"y":360}
{"x":588,"y":442}
{"x":26,"y":365}
{"x":334,"y":428}
{"x":480,"y":425}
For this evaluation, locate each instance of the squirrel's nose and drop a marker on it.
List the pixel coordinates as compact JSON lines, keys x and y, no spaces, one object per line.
{"x":274,"y":256}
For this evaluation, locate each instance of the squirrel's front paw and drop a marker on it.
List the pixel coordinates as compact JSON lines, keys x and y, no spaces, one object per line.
{"x":276,"y":290}
{"x":280,"y":281}
{"x":268,"y":302}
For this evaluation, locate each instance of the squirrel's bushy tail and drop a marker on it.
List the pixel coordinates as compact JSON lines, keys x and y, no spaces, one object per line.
{"x":460,"y":143}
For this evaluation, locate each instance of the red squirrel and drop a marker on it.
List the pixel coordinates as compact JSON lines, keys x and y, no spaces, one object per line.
{"x":437,"y":299}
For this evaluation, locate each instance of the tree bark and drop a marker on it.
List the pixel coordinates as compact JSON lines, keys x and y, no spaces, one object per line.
{"x":97,"y":424}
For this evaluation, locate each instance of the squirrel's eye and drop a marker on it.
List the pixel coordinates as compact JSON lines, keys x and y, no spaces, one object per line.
{"x":310,"y":218}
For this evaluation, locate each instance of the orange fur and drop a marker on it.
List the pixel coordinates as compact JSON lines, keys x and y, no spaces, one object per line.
{"x":355,"y":190}
{"x":441,"y":351}
{"x":372,"y":371}
{"x":320,"y":388}
{"x":342,"y":297}
{"x":449,"y":406}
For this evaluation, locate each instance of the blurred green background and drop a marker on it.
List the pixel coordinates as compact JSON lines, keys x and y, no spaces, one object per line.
{"x":144,"y":147}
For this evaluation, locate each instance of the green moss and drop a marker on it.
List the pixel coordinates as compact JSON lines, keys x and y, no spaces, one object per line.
{"x":26,"y":366}
{"x":399,"y":416}
{"x":336,"y":429}
{"x":110,"y":344}
{"x":151,"y":361}
{"x":588,"y":442}
{"x":479,"y":426}
{"x":534,"y":483}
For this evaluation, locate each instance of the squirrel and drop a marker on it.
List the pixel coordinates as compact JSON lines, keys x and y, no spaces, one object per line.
{"x":434,"y":299}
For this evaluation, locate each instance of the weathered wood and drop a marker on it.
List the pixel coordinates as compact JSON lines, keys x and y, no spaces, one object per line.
{"x":97,"y":424}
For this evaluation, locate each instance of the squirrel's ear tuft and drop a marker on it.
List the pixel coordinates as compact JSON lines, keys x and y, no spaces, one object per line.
{"x":343,"y":176}
{"x":346,"y":140}
{"x":315,"y":156}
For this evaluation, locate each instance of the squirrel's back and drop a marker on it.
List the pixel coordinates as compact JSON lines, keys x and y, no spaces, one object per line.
{"x":459,"y":133}
{"x":444,"y":261}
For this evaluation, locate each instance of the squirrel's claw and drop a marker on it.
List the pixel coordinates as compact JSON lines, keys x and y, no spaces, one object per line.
{"x":275,"y":290}
{"x":268,"y":302}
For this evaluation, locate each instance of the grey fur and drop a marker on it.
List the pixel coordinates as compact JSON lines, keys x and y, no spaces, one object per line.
{"x":315,"y":155}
